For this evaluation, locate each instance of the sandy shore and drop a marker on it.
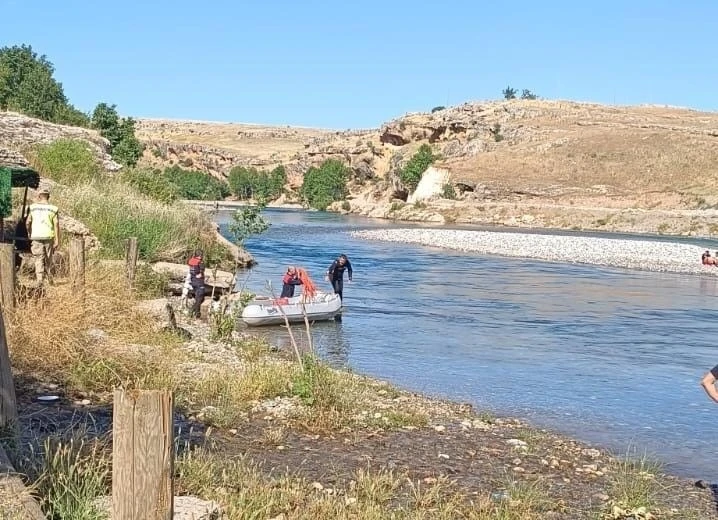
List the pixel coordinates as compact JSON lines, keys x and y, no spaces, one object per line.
{"x":648,"y":255}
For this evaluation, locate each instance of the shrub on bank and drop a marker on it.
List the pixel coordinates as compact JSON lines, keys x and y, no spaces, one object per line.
{"x":325,"y":184}
{"x":67,"y":161}
{"x":251,"y":183}
{"x":196,"y":185}
{"x":152,"y":183}
{"x":115,"y":211}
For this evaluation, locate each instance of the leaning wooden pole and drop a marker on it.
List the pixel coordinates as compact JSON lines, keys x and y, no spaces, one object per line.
{"x":142,"y":455}
{"x":7,"y":277}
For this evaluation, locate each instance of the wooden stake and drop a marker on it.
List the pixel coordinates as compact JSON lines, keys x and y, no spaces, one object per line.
{"x":7,"y":276}
{"x":142,"y":455}
{"x":8,"y":402}
{"x":132,"y":254}
{"x":77,"y":263}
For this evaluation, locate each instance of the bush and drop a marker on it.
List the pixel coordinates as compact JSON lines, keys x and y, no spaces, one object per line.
{"x":411,"y":174}
{"x":438,"y":109}
{"x":115,"y":211}
{"x":196,"y":185}
{"x":152,"y":183}
{"x":251,"y":183}
{"x":325,"y":184}
{"x":448,"y":191}
{"x":125,"y":148}
{"x":67,"y":161}
{"x":247,"y":222}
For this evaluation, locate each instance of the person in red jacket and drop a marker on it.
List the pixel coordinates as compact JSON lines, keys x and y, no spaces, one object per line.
{"x":290,"y":280}
{"x":196,"y":279}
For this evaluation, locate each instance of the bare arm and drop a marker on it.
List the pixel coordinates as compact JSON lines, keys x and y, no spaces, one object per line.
{"x":28,"y":225}
{"x":709,"y":385}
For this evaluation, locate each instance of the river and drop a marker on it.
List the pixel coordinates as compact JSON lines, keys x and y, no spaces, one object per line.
{"x":609,"y":356}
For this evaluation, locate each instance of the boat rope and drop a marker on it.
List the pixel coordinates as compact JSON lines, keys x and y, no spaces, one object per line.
{"x":308,"y":287}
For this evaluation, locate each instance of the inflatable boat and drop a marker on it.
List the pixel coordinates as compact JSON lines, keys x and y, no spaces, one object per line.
{"x":319,"y":307}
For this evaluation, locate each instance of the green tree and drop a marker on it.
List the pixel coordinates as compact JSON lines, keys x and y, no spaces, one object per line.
{"x":28,"y":86}
{"x":509,"y":93}
{"x":326,"y":184}
{"x":247,"y":222}
{"x":527,"y":94}
{"x":196,"y":185}
{"x":120,"y":132}
{"x":251,"y":183}
{"x":438,"y":109}
{"x":411,"y":174}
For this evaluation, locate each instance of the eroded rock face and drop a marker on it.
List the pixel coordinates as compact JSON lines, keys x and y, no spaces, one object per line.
{"x":18,"y":132}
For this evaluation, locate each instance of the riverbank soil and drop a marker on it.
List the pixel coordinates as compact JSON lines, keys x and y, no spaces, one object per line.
{"x":266,"y":436}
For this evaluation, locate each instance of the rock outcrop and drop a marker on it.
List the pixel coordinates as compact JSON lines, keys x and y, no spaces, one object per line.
{"x":20,"y":132}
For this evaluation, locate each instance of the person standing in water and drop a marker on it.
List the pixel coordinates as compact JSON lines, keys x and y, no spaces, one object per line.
{"x":290,"y":280}
{"x":335,"y":274}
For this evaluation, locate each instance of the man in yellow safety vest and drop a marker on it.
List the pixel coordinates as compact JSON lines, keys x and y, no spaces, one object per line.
{"x":43,"y":228}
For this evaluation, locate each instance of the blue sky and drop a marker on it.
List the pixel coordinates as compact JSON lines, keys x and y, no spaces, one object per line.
{"x":357,"y":64}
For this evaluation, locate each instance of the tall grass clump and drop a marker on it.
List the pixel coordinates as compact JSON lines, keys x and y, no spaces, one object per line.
{"x":70,"y":475}
{"x":115,"y":211}
{"x":67,"y":161}
{"x":74,"y":343}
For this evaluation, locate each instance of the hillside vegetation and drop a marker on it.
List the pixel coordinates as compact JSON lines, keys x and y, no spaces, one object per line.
{"x":512,"y":162}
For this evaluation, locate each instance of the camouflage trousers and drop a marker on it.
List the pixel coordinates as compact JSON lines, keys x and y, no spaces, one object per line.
{"x":42,"y":252}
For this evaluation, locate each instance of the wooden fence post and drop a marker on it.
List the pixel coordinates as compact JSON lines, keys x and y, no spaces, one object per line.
{"x":142,"y":455}
{"x":77,"y":262}
{"x":8,"y":402}
{"x":132,"y":254}
{"x":7,"y":276}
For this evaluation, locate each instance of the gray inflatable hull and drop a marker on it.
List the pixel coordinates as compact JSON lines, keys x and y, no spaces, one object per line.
{"x":322,"y":307}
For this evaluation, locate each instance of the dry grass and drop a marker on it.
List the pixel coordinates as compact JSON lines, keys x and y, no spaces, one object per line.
{"x":247,"y":492}
{"x":82,"y":342}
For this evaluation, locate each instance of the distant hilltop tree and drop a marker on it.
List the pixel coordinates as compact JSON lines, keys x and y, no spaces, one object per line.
{"x":509,"y":93}
{"x":527,"y":94}
{"x":437,"y":109}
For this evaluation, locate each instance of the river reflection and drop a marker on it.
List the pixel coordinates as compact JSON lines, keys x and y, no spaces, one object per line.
{"x":610,"y":356}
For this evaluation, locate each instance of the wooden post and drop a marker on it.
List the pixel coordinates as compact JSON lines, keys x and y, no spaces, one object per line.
{"x":8,"y":402}
{"x":77,"y":262}
{"x":7,"y":276}
{"x":142,"y":455}
{"x":132,"y":254}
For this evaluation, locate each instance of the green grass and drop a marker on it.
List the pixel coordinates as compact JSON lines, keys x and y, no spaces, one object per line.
{"x":67,"y":161}
{"x":115,"y":211}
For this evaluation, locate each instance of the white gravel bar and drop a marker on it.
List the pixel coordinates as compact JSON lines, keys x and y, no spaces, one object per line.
{"x":650,"y":255}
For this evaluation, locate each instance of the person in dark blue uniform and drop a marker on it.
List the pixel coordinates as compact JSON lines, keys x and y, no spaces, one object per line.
{"x":290,"y":280}
{"x":335,"y":274}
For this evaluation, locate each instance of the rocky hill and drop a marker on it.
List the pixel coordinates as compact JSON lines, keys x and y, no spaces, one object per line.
{"x":19,"y":133}
{"x":520,"y":162}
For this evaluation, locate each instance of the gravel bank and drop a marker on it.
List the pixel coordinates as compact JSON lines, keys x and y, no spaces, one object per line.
{"x":631,"y":254}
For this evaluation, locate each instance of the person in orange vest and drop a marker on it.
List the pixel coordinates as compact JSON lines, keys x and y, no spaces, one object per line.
{"x":289,"y":282}
{"x":43,"y":229}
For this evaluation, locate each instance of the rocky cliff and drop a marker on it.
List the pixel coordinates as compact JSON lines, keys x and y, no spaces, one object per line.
{"x":19,"y":133}
{"x":519,"y":162}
